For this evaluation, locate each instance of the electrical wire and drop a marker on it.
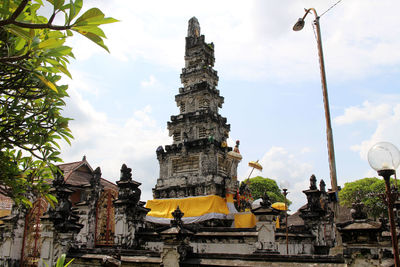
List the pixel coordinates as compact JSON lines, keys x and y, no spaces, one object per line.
{"x":330,"y":8}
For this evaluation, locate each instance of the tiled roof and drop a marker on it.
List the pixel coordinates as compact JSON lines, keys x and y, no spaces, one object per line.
{"x":108,"y":185}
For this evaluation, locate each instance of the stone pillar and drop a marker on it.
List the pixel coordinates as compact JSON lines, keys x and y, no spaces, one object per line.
{"x":266,"y":216}
{"x":317,"y":216}
{"x":48,"y":239}
{"x":60,"y":225}
{"x":129,"y":210}
{"x":86,"y":210}
{"x":175,"y":241}
{"x":12,"y":238}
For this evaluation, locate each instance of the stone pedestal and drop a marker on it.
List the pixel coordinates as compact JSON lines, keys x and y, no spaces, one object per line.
{"x":86,"y":210}
{"x":266,"y":216}
{"x":175,"y":241}
{"x":12,"y":238}
{"x":129,"y":210}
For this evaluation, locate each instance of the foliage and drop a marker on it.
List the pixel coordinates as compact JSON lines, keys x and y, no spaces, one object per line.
{"x":369,"y":191}
{"x":32,"y":59}
{"x":259,"y":185}
{"x":60,"y":261}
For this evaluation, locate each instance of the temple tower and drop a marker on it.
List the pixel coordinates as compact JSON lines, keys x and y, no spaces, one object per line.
{"x":197,"y":162}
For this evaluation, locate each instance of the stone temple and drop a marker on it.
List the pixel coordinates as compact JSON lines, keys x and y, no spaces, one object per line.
{"x":197,"y":163}
{"x":99,"y":223}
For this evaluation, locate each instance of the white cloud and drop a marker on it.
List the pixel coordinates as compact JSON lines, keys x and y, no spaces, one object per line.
{"x":388,"y":129}
{"x":256,"y":41}
{"x":108,"y":144}
{"x":367,"y":112}
{"x":385,"y":118}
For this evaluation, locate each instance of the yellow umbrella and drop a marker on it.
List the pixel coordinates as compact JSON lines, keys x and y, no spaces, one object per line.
{"x":279,"y":206}
{"x":255,"y":165}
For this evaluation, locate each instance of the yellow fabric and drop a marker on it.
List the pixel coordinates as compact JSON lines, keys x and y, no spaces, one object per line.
{"x":279,"y":206}
{"x":229,"y":198}
{"x":245,"y":220}
{"x":191,"y":206}
{"x":277,"y":225}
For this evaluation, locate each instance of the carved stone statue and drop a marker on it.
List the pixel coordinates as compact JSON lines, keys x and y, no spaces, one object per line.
{"x":194,"y":28}
{"x":266,"y":202}
{"x":126,"y":173}
{"x":313,"y":182}
{"x":322,"y":186}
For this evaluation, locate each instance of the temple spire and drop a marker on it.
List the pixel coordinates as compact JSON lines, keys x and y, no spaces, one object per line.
{"x":193,"y":28}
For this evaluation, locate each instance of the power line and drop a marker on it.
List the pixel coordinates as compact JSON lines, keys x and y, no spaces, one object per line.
{"x":330,"y":8}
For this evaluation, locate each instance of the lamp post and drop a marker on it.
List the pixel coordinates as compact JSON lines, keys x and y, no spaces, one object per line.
{"x":331,"y":152}
{"x":285,"y":192}
{"x":384,"y":157}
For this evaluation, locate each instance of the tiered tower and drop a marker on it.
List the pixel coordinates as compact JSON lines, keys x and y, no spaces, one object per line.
{"x":197,"y":162}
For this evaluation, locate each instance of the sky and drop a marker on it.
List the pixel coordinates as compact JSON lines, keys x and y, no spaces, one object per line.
{"x":268,"y":74}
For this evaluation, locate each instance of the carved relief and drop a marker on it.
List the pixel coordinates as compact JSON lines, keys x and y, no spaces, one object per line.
{"x":223,"y":165}
{"x":185,"y":164}
{"x":32,"y":234}
{"x":177,"y":136}
{"x":105,"y":220}
{"x":202,"y":132}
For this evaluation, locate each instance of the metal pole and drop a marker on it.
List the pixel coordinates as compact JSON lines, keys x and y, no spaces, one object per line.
{"x":329,"y":135}
{"x":285,"y":192}
{"x":386,"y":176}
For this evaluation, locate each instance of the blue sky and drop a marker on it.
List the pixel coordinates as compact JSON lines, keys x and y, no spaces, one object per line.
{"x":269,"y":76}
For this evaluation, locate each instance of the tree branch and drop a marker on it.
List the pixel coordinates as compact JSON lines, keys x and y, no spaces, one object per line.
{"x":15,"y":58}
{"x":40,"y":26}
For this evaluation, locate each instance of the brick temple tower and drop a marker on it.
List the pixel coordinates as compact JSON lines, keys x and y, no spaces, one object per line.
{"x":198,"y":162}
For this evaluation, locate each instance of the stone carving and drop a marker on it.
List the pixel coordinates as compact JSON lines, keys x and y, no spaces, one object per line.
{"x":313,"y":182}
{"x":177,"y":221}
{"x":322,"y":186}
{"x":266,"y":202}
{"x":129,"y":210}
{"x":65,"y":219}
{"x":126,"y":173}
{"x":357,"y":211}
{"x":193,"y":28}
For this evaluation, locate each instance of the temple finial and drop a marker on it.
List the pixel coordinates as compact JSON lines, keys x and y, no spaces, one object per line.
{"x":193,"y":28}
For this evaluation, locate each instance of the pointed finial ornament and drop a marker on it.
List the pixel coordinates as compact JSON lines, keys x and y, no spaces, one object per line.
{"x":193,"y":28}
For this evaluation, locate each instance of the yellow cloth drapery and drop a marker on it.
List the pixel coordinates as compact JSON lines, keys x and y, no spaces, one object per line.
{"x":190,"y":206}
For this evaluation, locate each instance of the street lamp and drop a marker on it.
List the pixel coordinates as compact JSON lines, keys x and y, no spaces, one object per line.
{"x":331,"y":152}
{"x":285,"y":193}
{"x":384,"y":157}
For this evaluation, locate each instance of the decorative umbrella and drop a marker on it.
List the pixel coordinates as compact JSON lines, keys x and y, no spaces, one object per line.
{"x":254,"y":165}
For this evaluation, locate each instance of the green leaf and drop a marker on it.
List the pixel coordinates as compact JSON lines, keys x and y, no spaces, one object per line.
{"x":39,"y":2}
{"x":93,"y":29}
{"x":60,"y":261}
{"x":20,"y":43}
{"x":69,"y":262}
{"x":26,"y":202}
{"x":47,"y":82}
{"x":93,"y":14}
{"x":95,"y":38}
{"x":51,"y":43}
{"x":58,"y":4}
{"x":24,"y":33}
{"x":59,"y":51}
{"x":109,"y":20}
{"x":75,"y":9}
